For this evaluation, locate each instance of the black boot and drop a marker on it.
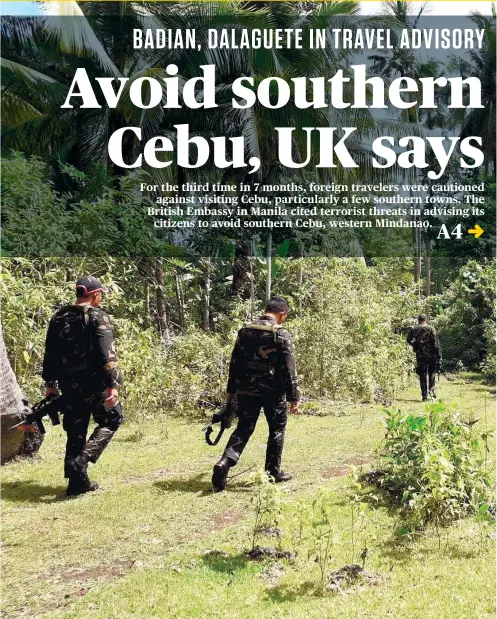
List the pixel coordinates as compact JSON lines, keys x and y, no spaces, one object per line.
{"x":72,"y":486}
{"x":77,"y":466}
{"x":220,"y":474}
{"x":79,"y":482}
{"x":280,"y":476}
{"x":80,"y":485}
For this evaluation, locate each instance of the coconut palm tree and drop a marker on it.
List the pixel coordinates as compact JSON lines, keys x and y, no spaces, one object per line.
{"x":481,"y":64}
{"x":40,"y":56}
{"x":403,"y":15}
{"x":12,"y":409}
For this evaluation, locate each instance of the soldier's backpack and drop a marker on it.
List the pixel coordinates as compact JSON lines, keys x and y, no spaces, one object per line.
{"x":424,"y":340}
{"x":75,"y":338}
{"x":260,"y":344}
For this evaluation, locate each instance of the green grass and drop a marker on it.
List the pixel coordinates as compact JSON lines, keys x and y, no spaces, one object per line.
{"x":138,"y":547}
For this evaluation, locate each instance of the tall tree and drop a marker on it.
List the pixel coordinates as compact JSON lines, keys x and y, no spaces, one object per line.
{"x":481,"y":64}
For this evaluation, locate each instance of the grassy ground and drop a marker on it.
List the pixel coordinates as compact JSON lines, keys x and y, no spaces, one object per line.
{"x":154,"y":543}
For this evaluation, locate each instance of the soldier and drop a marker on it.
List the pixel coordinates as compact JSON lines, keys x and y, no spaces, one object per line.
{"x":424,"y":340}
{"x":80,"y":361}
{"x":262,"y":374}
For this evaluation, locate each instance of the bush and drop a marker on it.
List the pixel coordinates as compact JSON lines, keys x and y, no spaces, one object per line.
{"x":32,"y":212}
{"x":345,"y":320}
{"x":37,"y":220}
{"x":343,"y":323}
{"x":30,"y":292}
{"x":184,"y":378}
{"x":432,"y":465}
{"x":466,"y":318}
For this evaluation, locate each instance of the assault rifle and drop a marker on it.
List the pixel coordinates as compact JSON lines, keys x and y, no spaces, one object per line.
{"x":224,"y":416}
{"x":47,"y":407}
{"x":440,"y":370}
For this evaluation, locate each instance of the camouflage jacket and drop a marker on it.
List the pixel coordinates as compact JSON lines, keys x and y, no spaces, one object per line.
{"x":80,"y":347}
{"x":424,"y":341}
{"x":263,"y":362}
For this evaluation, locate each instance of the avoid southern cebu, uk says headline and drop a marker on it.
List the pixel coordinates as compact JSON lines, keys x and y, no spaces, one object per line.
{"x":197,"y":93}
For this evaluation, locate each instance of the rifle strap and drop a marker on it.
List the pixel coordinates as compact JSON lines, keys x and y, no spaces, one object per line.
{"x":209,"y":430}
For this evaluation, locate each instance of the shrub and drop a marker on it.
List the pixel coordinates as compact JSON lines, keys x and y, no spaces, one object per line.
{"x":432,"y":465}
{"x":343,"y":323}
{"x":33,"y":214}
{"x":185,"y":378}
{"x":467,"y":317}
{"x":30,"y":293}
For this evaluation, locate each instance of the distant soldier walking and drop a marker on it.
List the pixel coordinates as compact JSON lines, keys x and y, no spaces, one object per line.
{"x":262,"y":375}
{"x":424,"y":341}
{"x":80,"y":361}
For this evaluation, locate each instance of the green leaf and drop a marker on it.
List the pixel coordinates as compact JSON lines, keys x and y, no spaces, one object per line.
{"x":483,"y":509}
{"x":283,"y":248}
{"x":256,"y":249}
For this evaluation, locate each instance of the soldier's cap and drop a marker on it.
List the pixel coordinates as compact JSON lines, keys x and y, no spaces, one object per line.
{"x":88,"y":285}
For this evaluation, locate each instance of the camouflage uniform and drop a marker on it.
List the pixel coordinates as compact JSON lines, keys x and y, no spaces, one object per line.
{"x":424,"y":341}
{"x":80,"y":357}
{"x":262,"y":374}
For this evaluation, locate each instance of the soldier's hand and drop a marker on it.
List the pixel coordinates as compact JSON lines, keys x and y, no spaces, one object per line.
{"x":52,"y":392}
{"x":111,"y":397}
{"x":294,"y":407}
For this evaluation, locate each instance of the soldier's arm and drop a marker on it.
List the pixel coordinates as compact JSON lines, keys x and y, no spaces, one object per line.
{"x":50,"y":359}
{"x":235,"y":367}
{"x":105,"y":351}
{"x":292,"y":390}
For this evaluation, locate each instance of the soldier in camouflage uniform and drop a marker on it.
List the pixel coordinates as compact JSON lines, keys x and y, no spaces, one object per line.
{"x":262,"y":375}
{"x":424,"y":341}
{"x":80,"y":361}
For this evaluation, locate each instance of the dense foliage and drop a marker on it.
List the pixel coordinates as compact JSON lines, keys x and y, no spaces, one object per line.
{"x":466,"y":318}
{"x":344,"y":329}
{"x":343,"y":319}
{"x":433,"y":465}
{"x":103,"y":215}
{"x":39,"y":60}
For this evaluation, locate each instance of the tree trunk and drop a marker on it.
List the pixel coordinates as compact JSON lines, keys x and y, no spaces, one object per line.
{"x":252,"y":289}
{"x":207,"y":295}
{"x":417,"y":253}
{"x":428,"y":268}
{"x":269,"y":247}
{"x":417,"y":248}
{"x":147,"y":300}
{"x":162,"y":319}
{"x":11,"y":408}
{"x":300,"y":270}
{"x":180,"y":301}
{"x":240,"y":286}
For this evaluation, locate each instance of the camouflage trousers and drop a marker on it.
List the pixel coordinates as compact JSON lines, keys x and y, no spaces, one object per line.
{"x":78,"y":411}
{"x":426,"y":368}
{"x":248,"y":410}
